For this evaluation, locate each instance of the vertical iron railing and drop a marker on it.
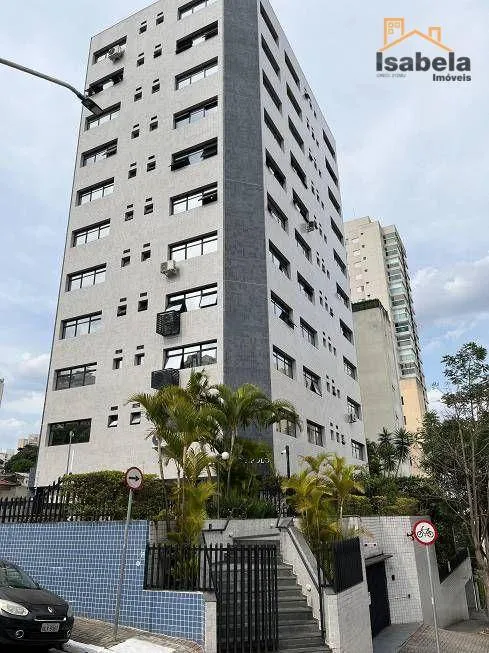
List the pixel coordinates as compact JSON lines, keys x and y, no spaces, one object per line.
{"x":244,"y":579}
{"x":339,"y":564}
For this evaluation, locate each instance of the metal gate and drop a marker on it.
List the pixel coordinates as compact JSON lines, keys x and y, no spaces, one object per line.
{"x":244,"y":579}
{"x":379,"y":601}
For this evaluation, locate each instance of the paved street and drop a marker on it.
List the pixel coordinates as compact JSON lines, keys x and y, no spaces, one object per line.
{"x":423,"y":641}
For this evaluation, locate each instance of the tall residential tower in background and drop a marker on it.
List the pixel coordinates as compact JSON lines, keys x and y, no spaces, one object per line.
{"x":205,"y":231}
{"x":378,"y":270}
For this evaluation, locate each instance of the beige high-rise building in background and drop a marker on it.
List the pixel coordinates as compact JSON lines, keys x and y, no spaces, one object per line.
{"x":378,"y":270}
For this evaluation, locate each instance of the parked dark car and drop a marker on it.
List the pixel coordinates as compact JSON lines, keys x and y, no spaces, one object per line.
{"x":29,"y":614}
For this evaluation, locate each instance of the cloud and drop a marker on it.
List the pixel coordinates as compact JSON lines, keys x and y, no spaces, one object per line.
{"x":30,"y":403}
{"x":12,"y":424}
{"x":455,"y":296}
{"x":434,"y":401}
{"x":34,"y":367}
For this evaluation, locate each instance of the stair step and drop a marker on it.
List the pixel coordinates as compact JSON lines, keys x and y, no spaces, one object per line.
{"x":302,"y":644}
{"x":298,"y":630}
{"x":314,"y":648}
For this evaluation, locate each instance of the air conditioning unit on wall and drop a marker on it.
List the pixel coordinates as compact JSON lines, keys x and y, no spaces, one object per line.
{"x":169,"y":268}
{"x":115,"y":53}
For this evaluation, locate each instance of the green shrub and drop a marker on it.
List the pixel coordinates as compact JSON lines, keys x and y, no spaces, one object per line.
{"x":239,"y":506}
{"x":104,"y":495}
{"x":403,"y":506}
{"x":357,"y":505}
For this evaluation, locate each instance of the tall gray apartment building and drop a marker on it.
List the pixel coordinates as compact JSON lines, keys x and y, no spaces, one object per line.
{"x":205,"y":231}
{"x":379,"y":270}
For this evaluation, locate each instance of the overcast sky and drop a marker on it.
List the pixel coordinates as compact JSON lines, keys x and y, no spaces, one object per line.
{"x":411,"y":152}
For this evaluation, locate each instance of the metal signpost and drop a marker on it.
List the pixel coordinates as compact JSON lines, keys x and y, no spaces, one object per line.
{"x":134,"y":481}
{"x":425,"y":533}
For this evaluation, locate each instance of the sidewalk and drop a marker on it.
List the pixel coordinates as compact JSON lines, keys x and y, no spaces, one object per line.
{"x":92,"y":636}
{"x":423,"y":641}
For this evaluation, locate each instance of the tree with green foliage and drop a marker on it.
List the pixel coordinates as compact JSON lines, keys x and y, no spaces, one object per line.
{"x":23,"y":460}
{"x":456,"y":448}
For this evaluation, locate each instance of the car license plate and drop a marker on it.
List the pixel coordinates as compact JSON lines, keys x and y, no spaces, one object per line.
{"x":49,"y":628}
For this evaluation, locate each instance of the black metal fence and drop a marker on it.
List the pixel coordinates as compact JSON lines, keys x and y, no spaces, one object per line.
{"x":340,"y":564}
{"x":244,"y":579}
{"x":446,"y":568}
{"x":50,"y":504}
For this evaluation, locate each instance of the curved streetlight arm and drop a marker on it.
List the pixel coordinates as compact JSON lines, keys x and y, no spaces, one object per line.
{"x":85,"y":100}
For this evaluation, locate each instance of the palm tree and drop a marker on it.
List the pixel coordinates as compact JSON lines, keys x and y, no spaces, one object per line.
{"x":403,"y":441}
{"x":341,"y":481}
{"x":240,"y":408}
{"x":387,"y":451}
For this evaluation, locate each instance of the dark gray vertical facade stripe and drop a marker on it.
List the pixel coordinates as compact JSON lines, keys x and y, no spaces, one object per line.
{"x":246,"y":337}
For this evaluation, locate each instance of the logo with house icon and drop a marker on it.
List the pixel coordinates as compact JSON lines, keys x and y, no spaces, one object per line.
{"x":441,"y":58}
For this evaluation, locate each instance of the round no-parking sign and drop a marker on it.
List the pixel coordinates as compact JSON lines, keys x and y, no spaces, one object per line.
{"x":425,"y":532}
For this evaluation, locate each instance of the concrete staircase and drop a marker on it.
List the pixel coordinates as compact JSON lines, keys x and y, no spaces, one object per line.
{"x":298,"y":629}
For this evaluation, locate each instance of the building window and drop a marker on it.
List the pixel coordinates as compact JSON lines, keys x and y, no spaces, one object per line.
{"x":315,"y":433}
{"x":86,"y":278}
{"x":337,"y":231}
{"x":300,"y":206}
{"x":113,"y":421}
{"x":339,"y":262}
{"x":303,"y":246}
{"x":334,"y":201}
{"x":116,"y":363}
{"x":195,"y":114}
{"x":140,"y":59}
{"x":129,"y":214}
{"x":191,"y":356}
{"x":291,"y":68}
{"x":350,"y":369}
{"x":283,"y":363}
{"x":329,"y":146}
{"x":271,"y":92}
{"x":135,"y":131}
{"x":99,"y":153}
{"x":151,"y":164}
{"x":193,"y":7}
{"x":138,"y":358}
{"x":305,"y":288}
{"x":281,"y":310}
{"x":145,"y":255}
{"x":312,"y":381}
{"x":288,"y":427}
{"x":193,"y":247}
{"x":308,"y":333}
{"x":196,"y":74}
{"x":194,"y":155}
{"x":270,"y":57}
{"x":276,"y":213}
{"x":342,"y":296}
{"x":155,"y":87}
{"x":279,"y":260}
{"x":159,"y":18}
{"x":354,"y":410}
{"x":194,"y":199}
{"x":295,"y":133}
{"x":138,"y":94}
{"x":332,"y":173}
{"x":199,"y":36}
{"x":75,"y":377}
{"x":121,"y":310}
{"x":133,"y":171}
{"x":148,"y":206}
{"x":294,"y":102}
{"x":103,"y":53}
{"x":273,"y":168}
{"x":78,"y":326}
{"x":125,"y":261}
{"x":65,"y":432}
{"x":191,"y":300}
{"x":108,"y":114}
{"x":95,"y":192}
{"x":143,"y":27}
{"x":357,"y":450}
{"x":157,"y":51}
{"x":106,"y":82}
{"x":91,"y":233}
{"x":298,"y":170}
{"x":135,"y":418}
{"x":153,"y":124}
{"x":273,"y":129}
{"x":268,"y":23}
{"x":346,"y":331}
{"x":142,"y":305}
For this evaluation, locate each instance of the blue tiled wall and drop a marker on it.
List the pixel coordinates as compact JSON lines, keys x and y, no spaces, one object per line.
{"x":80,"y":561}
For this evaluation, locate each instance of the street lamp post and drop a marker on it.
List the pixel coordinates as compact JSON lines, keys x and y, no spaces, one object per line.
{"x":223,"y":456}
{"x":286,"y":451}
{"x":85,"y":100}
{"x":69,"y":453}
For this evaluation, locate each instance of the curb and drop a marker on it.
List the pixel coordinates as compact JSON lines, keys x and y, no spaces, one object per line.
{"x":77,"y":647}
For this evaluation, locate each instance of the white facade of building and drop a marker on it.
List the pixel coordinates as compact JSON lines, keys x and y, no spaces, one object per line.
{"x":214,"y":154}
